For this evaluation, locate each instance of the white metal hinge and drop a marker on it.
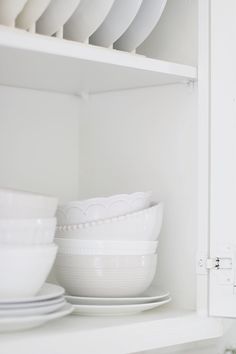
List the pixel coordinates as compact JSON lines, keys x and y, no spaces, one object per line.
{"x":219,"y":263}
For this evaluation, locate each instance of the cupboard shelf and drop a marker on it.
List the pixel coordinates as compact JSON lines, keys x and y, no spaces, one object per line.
{"x":51,"y":64}
{"x":113,"y":335}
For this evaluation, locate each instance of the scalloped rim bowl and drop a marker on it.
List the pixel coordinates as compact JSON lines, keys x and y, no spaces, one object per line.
{"x":94,"y":209}
{"x":27,"y":231}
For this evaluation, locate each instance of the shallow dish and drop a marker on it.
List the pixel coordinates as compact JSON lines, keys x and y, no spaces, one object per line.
{"x":144,"y":225}
{"x":9,"y":9}
{"x":145,"y":21}
{"x":116,"y":310}
{"x":27,"y":231}
{"x":86,"y":19}
{"x":105,"y":276}
{"x":93,"y":247}
{"x":19,"y":323}
{"x":24,"y":269}
{"x":31,"y":12}
{"x":56,"y":15}
{"x":16,"y":204}
{"x":116,"y":23}
{"x":102,"y":208}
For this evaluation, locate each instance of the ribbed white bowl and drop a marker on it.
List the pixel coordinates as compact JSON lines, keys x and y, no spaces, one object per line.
{"x":27,"y":231}
{"x":102,"y":208}
{"x":93,"y":247}
{"x":105,"y":276}
{"x":144,"y":225}
{"x":16,"y":204}
{"x":24,"y":269}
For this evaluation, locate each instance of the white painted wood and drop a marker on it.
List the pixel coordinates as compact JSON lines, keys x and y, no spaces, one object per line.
{"x":223,"y":151}
{"x":122,"y":335}
{"x":52,"y":64}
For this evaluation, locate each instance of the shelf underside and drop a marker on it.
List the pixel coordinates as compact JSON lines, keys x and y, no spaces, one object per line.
{"x":113,"y":335}
{"x":46,"y":63}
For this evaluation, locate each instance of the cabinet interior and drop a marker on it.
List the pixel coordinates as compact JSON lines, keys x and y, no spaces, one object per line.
{"x":118,"y":142}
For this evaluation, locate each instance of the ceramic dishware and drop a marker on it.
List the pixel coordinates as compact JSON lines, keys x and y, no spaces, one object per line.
{"x":24,"y":269}
{"x":116,"y":23}
{"x":145,"y":21}
{"x":86,"y":19}
{"x":9,"y":9}
{"x":31,"y":12}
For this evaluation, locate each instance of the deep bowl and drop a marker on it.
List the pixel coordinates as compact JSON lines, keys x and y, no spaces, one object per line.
{"x":105,"y":276}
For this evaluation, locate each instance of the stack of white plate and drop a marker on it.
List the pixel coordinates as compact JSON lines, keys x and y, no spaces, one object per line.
{"x":27,"y":254}
{"x":108,"y":249}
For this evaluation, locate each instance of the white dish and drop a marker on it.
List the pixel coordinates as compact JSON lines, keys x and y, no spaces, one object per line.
{"x":32,"y":311}
{"x":141,"y":299}
{"x":56,"y":15}
{"x":105,"y":276}
{"x":26,"y":305}
{"x":16,"y":204}
{"x":46,"y":293}
{"x":93,"y":247}
{"x":145,"y":21}
{"x":31,"y":12}
{"x":144,"y":225}
{"x":9,"y":9}
{"x":116,"y":310}
{"x":23,"y":270}
{"x":86,"y":19}
{"x":20,"y":323}
{"x":27,"y":231}
{"x":116,"y":23}
{"x":95,"y":209}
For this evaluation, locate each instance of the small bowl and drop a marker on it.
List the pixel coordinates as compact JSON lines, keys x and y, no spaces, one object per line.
{"x":105,"y":276}
{"x":27,"y":231}
{"x":102,"y":208}
{"x":24,"y":269}
{"x":93,"y":247}
{"x":16,"y":204}
{"x":144,"y":225}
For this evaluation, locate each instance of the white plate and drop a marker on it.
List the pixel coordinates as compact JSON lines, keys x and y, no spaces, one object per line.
{"x":116,"y":310}
{"x":142,"y":299}
{"x":9,"y":9}
{"x":116,"y":23}
{"x":56,"y":15}
{"x":47,"y":292}
{"x":147,"y":18}
{"x":25,"y":322}
{"x":86,"y":19}
{"x":31,"y":13}
{"x":32,"y":311}
{"x":27,"y":305}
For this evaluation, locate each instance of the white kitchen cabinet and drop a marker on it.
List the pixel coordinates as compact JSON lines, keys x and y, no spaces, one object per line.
{"x":80,"y":121}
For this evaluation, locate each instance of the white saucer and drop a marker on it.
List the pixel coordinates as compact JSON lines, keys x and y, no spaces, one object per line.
{"x":27,"y":305}
{"x":146,"y":297}
{"x":47,"y":292}
{"x":32,"y":311}
{"x":25,"y":322}
{"x":116,"y":310}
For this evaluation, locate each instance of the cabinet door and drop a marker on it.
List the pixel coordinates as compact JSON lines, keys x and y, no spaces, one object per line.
{"x":222,"y":281}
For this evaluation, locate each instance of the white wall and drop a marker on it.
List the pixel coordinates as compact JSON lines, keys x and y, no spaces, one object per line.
{"x":39,"y":142}
{"x":141,"y":140}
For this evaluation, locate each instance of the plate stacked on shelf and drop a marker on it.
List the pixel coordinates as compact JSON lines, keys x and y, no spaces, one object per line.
{"x":27,"y":254}
{"x":107,"y":250}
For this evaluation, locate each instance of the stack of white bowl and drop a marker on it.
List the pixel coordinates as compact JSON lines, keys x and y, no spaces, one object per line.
{"x":27,"y":252}
{"x":108,"y":246}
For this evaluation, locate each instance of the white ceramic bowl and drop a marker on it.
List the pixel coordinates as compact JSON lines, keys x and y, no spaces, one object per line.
{"x":56,"y":15}
{"x":24,"y":269}
{"x":105,"y":276}
{"x":16,"y":204}
{"x":102,"y":208}
{"x":86,"y":19}
{"x":93,"y":247}
{"x":144,"y":225}
{"x":145,"y":21}
{"x":27,"y":231}
{"x":9,"y":9}
{"x":32,"y":10}
{"x":116,"y":23}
